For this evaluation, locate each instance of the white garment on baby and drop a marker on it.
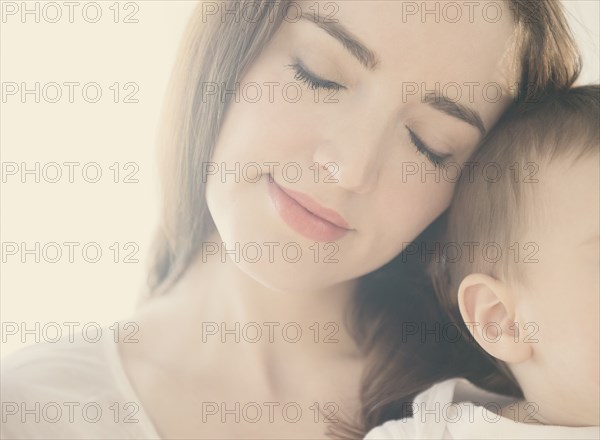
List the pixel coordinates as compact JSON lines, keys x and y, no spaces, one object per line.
{"x":457,"y":409}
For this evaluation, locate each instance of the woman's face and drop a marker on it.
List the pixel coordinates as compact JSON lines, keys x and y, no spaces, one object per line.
{"x":387,"y":99}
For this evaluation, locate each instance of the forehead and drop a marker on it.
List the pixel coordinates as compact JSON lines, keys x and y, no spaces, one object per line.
{"x":429,"y":27}
{"x":462,"y":48}
{"x":569,"y":195}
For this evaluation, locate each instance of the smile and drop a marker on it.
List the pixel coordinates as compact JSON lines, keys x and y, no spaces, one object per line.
{"x":305,"y":215}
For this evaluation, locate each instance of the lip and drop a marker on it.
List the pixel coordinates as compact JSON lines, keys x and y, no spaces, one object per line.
{"x":305,"y":215}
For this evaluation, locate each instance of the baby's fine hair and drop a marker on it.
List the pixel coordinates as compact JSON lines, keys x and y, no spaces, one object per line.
{"x":495,"y":198}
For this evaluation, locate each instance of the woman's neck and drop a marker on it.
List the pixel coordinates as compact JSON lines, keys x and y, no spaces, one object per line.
{"x":217,"y":321}
{"x":219,"y":291}
{"x":219,"y":336}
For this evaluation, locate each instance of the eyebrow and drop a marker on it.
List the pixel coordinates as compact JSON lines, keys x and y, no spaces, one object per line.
{"x":366,"y":56}
{"x":369,"y":59}
{"x":456,"y":110}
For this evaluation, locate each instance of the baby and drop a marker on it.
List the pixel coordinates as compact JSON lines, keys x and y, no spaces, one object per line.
{"x":519,"y":275}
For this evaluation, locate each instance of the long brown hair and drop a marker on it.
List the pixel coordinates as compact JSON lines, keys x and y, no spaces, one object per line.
{"x":219,"y":51}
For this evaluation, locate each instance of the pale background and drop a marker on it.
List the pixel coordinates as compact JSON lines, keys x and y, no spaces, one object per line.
{"x":105,"y":212}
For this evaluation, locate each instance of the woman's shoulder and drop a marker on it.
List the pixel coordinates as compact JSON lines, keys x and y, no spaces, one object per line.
{"x":71,"y":388}
{"x":73,"y":365}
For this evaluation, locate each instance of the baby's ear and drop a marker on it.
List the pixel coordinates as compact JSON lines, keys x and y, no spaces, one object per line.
{"x":487,"y":307}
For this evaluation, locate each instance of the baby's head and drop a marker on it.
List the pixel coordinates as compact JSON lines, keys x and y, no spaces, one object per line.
{"x":521,"y":253}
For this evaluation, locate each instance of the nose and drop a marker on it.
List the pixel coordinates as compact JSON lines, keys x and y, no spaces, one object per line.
{"x":353,"y":153}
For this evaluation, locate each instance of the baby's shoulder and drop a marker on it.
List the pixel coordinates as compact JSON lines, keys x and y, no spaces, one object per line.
{"x":428,"y":402}
{"x":445,"y":405}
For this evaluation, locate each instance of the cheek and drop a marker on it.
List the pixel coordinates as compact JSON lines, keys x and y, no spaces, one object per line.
{"x":405,"y":207}
{"x":564,"y":306}
{"x":278,"y":131}
{"x":416,"y":200}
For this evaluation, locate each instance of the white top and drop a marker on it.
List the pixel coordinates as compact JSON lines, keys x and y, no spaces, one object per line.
{"x":441,"y":413}
{"x":79,"y":390}
{"x":70,"y":390}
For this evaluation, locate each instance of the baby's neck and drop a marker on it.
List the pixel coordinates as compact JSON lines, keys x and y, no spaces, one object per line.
{"x":523,"y":411}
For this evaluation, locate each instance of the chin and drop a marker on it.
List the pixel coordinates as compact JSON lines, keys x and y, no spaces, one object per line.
{"x":290,"y":277}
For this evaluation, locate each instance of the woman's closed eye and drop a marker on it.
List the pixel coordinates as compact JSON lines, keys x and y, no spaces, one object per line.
{"x":313,"y":81}
{"x":437,"y":159}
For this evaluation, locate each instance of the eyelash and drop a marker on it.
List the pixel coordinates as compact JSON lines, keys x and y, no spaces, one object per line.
{"x":437,"y":160}
{"x":313,"y":82}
